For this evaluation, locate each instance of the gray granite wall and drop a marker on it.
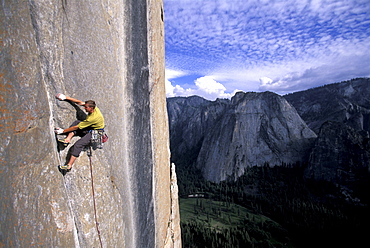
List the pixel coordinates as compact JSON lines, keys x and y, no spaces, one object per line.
{"x":108,"y":51}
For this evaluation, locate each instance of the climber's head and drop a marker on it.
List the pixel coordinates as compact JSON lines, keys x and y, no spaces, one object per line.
{"x":89,"y":106}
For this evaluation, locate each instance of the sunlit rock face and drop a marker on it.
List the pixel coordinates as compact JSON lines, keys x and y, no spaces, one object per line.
{"x":108,"y":51}
{"x":259,"y":128}
{"x":226,"y":137}
{"x":190,"y":119}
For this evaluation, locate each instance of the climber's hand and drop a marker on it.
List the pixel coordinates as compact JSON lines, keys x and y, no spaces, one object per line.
{"x":58,"y":130}
{"x":61,"y":97}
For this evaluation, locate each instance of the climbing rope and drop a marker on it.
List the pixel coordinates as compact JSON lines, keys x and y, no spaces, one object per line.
{"x":89,"y":154}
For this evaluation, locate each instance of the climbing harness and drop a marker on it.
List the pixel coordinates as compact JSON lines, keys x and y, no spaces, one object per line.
{"x":89,"y":154}
{"x":98,"y":137}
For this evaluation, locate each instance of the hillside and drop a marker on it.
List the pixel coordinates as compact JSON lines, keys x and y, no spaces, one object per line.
{"x":340,"y":114}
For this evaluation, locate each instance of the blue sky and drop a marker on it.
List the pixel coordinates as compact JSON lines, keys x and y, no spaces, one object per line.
{"x":217,"y":47}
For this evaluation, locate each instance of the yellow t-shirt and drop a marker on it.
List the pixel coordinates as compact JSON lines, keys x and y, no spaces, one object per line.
{"x":95,"y":120}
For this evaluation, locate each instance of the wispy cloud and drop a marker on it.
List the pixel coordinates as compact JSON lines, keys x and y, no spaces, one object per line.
{"x":297,"y":44}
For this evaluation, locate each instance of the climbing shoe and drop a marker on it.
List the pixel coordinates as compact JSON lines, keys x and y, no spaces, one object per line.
{"x":64,"y":167}
{"x":63,"y":141}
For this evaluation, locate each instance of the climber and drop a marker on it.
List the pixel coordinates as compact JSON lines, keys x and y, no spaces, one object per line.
{"x":94,"y":121}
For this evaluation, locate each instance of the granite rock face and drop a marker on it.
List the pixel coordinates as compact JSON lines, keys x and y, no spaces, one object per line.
{"x":226,"y":137}
{"x":190,"y":119}
{"x":108,"y":51}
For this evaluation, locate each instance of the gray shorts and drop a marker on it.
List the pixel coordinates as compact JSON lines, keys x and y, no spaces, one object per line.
{"x":85,"y":135}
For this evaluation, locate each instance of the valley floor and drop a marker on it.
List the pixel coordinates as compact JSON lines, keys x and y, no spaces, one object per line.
{"x":270,"y":207}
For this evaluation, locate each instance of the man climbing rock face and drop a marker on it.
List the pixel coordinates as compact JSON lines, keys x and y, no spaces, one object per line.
{"x":94,"y":121}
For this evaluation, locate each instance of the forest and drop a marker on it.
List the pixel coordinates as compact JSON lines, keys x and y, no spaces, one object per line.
{"x":271,"y":207}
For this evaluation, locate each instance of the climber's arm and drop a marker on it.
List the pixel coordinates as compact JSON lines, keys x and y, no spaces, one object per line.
{"x":63,"y":97}
{"x":81,"y":103}
{"x":70,"y":129}
{"x":67,"y":130}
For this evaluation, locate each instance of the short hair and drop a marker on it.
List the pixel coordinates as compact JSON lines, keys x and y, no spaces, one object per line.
{"x":90,"y":103}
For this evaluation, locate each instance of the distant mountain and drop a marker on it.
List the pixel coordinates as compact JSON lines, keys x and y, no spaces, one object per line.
{"x":346,"y":102}
{"x":326,"y":128}
{"x":225,"y":137}
{"x":340,"y":115}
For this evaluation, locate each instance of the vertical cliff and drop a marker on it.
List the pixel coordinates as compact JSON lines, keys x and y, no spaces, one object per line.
{"x":108,"y":51}
{"x":224,"y":138}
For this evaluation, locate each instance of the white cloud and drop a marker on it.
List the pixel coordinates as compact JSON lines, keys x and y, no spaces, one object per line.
{"x":209,"y":86}
{"x":205,"y":87}
{"x":169,"y":89}
{"x":265,"y":81}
